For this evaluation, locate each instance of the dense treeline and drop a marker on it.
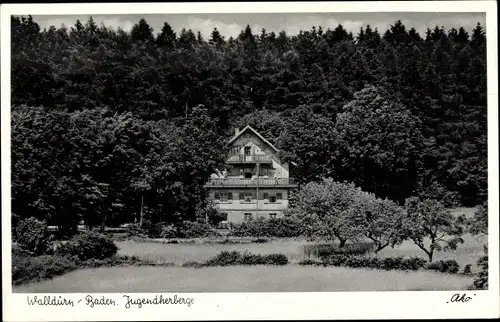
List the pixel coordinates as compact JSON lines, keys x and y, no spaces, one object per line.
{"x":108,"y":124}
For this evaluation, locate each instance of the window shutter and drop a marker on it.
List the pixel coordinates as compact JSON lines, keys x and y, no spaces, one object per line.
{"x":241,"y":172}
{"x":279,"y":195}
{"x":217,"y":195}
{"x":242,"y":196}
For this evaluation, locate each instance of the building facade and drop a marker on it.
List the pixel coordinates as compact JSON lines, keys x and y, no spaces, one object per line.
{"x":254,"y":184}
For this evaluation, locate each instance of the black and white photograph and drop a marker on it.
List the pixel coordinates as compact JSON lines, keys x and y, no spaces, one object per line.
{"x":249,"y":152}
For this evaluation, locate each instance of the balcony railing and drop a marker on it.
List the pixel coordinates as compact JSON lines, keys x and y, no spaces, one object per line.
{"x":271,"y":182}
{"x":240,"y":158}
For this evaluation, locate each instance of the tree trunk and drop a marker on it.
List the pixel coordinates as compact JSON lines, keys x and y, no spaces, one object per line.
{"x":342,"y":242}
{"x":141,"y":214}
{"x":103,"y":223}
{"x":430,"y":254}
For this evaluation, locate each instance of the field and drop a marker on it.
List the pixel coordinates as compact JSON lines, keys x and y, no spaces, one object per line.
{"x":256,"y":278}
{"x":468,"y":253}
{"x":291,"y":278}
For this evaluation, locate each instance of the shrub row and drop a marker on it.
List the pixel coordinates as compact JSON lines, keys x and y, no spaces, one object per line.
{"x":279,"y":227}
{"x":234,"y":258}
{"x":444,"y":266}
{"x":388,"y":263}
{"x":325,"y":250}
{"x":186,"y":229}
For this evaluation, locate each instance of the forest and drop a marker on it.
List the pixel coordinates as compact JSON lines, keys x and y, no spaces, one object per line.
{"x":107,"y":124}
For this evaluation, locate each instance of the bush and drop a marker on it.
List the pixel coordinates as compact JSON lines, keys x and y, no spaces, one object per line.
{"x":33,"y":235}
{"x":195,"y":229}
{"x":413,"y":263}
{"x":389,"y":263}
{"x":226,"y":258}
{"x":168,"y":231}
{"x":88,"y":245}
{"x":275,"y":259}
{"x":155,"y":230}
{"x":450,"y":266}
{"x":325,"y":250}
{"x":134,"y":230}
{"x":26,"y":269}
{"x":481,"y":282}
{"x":279,"y":227}
{"x":310,"y":262}
{"x":193,"y":264}
{"x":335,"y":260}
{"x":467,"y":270}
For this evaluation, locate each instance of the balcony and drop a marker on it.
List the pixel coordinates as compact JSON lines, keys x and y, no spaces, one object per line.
{"x":248,"y":159}
{"x":262,"y":182}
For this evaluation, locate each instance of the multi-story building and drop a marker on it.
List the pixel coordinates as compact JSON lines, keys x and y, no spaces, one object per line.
{"x":255,"y":182}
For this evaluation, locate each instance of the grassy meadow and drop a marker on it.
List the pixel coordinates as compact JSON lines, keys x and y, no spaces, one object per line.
{"x":467,"y":253}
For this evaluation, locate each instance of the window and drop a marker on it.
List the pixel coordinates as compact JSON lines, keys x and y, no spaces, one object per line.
{"x":272,"y":216}
{"x":248,"y":150}
{"x":247,"y":217}
{"x":271,"y":197}
{"x":248,"y":175}
{"x":247,"y":196}
{"x":223,"y":196}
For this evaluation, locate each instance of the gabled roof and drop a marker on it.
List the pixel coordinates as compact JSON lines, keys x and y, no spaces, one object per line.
{"x":251,"y":129}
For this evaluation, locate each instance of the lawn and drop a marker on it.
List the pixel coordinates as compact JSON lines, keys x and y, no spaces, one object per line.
{"x":467,"y":253}
{"x":290,"y":278}
{"x":181,"y":253}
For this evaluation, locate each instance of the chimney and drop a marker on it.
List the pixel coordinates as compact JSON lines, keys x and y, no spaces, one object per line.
{"x":236,"y":130}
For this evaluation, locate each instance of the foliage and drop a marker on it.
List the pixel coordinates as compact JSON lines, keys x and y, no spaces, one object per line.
{"x":379,"y":143}
{"x":227,"y":258}
{"x":450,"y":266}
{"x":30,"y":268}
{"x":134,"y":230}
{"x":481,"y":282}
{"x":388,"y":263}
{"x":88,"y":245}
{"x":382,"y":222}
{"x":33,"y":235}
{"x":111,"y":126}
{"x":479,"y":222}
{"x":326,"y":210}
{"x":429,"y":219}
{"x":168,"y":231}
{"x":192,"y":264}
{"x":307,"y":262}
{"x":467,"y":269}
{"x":276,"y":227}
{"x":195,"y":229}
{"x":325,"y":250}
